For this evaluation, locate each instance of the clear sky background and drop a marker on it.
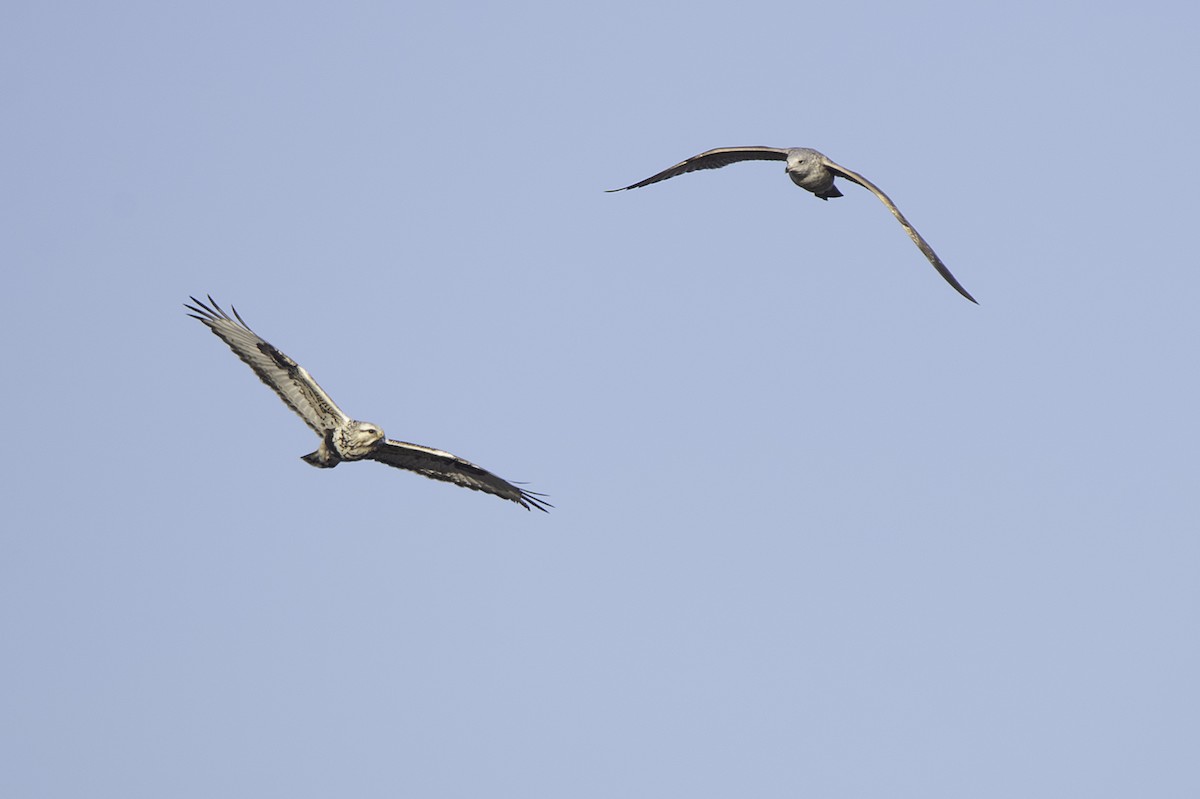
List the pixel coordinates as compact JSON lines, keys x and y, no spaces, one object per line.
{"x":823,"y":527}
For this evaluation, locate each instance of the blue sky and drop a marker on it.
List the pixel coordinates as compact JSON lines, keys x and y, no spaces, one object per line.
{"x":823,"y":527}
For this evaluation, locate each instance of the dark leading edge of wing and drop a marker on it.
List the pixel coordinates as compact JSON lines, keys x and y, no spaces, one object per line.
{"x":713,"y":159}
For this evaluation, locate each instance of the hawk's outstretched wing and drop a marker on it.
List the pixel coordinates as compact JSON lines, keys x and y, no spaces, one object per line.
{"x":439,"y":465}
{"x":713,"y":159}
{"x":291,"y":382}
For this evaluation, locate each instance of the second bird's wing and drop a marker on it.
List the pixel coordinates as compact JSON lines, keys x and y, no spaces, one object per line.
{"x":912,"y":232}
{"x":713,"y":159}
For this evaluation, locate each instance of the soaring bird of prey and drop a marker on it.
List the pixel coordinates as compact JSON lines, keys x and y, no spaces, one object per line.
{"x":343,"y":438}
{"x":809,"y":170}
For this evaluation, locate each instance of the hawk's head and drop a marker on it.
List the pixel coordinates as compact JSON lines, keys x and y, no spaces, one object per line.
{"x":356,"y":440}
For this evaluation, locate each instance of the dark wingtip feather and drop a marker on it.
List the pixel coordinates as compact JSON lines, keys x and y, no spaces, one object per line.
{"x":954,"y":284}
{"x":205,"y":308}
{"x":211,"y":311}
{"x":529,"y":499}
{"x":220,"y":310}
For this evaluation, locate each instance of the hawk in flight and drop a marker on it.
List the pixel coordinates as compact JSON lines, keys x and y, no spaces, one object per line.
{"x":343,"y":438}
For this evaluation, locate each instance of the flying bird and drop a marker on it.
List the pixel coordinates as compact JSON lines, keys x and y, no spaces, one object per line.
{"x":343,"y":438}
{"x":810,"y":170}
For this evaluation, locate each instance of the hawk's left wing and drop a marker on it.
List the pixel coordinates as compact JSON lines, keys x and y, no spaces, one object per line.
{"x":439,"y":465}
